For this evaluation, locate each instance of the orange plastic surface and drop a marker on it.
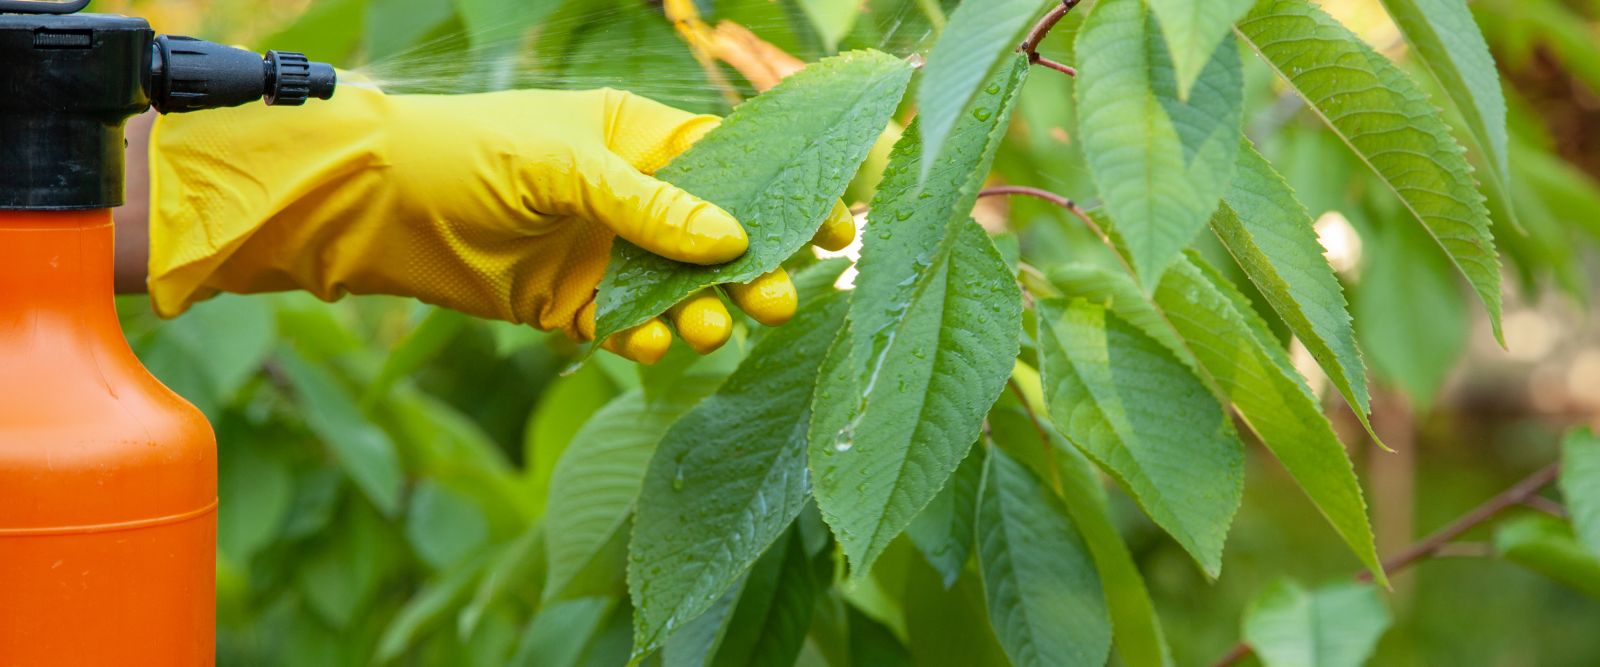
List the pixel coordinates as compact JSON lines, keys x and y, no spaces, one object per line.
{"x":108,"y":480}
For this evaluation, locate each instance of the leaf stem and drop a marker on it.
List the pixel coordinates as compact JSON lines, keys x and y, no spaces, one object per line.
{"x":1036,"y":35}
{"x":1517,"y":494}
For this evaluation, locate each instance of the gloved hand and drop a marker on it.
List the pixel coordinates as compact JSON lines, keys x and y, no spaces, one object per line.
{"x":500,"y":205}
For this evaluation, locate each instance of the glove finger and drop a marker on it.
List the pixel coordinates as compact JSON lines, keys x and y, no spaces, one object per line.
{"x":702,"y":321}
{"x":770,"y":299}
{"x":657,"y":216}
{"x":646,"y":343}
{"x":838,"y":231}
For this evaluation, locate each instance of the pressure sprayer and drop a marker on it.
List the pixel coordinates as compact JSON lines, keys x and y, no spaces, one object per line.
{"x":108,"y":480}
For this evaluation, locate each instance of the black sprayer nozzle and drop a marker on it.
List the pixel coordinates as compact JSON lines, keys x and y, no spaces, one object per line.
{"x":68,"y":83}
{"x":187,"y":74}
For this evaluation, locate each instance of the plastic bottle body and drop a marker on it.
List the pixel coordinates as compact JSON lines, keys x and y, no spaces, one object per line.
{"x":108,"y":480}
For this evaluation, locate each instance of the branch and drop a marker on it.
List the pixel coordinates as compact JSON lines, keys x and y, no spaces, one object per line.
{"x":1518,"y":493}
{"x":1030,"y":44}
{"x":1070,"y":206}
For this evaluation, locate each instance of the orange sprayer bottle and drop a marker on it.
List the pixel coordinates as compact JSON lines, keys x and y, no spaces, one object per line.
{"x":108,"y":480}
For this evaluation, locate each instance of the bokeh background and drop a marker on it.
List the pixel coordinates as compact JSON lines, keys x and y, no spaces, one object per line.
{"x":319,"y":406}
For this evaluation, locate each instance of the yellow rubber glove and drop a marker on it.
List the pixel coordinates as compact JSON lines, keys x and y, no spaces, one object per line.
{"x":500,"y":205}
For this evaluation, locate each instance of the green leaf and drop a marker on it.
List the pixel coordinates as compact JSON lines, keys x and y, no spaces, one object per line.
{"x":770,"y":622}
{"x":1333,"y":626}
{"x":943,"y":531}
{"x":1580,"y":484}
{"x":255,"y":492}
{"x":1270,"y":235}
{"x":695,"y":643}
{"x":1445,"y":35}
{"x":808,"y":135}
{"x":364,"y":451}
{"x":1235,"y":350}
{"x":562,"y":632}
{"x":518,"y":567}
{"x":1203,"y":320}
{"x":947,"y":627}
{"x":419,"y":346}
{"x":342,"y":573}
{"x":563,"y":409}
{"x":919,"y":404}
{"x":1379,"y":112}
{"x":933,"y":328}
{"x":728,"y":478}
{"x":833,"y":19}
{"x":599,"y":475}
{"x":1546,"y":545}
{"x":442,"y":526}
{"x":1193,"y":29}
{"x":1410,"y":314}
{"x":972,"y":47}
{"x":1137,"y":629}
{"x":210,"y":352}
{"x":427,"y":609}
{"x":1134,"y":408}
{"x":1161,"y":163}
{"x":1044,"y":597}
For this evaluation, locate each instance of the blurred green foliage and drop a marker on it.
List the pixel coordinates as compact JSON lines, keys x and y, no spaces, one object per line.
{"x":386,"y":466}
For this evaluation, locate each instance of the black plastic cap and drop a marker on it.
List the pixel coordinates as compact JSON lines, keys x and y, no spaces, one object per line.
{"x":67,"y":85}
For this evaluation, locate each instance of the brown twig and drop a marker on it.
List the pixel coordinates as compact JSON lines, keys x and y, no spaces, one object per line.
{"x":1517,"y":494}
{"x":1067,"y":204}
{"x":1030,"y":44}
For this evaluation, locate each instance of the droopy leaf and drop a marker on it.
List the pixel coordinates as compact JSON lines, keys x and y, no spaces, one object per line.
{"x":728,"y":478}
{"x":1137,"y":634}
{"x":778,"y":164}
{"x":1140,"y":413}
{"x":974,"y":44}
{"x":1580,"y":484}
{"x":947,"y":627}
{"x":1161,"y":163}
{"x":943,"y":531}
{"x":1270,"y":235}
{"x":933,"y":329}
{"x":1237,"y":351}
{"x":1379,"y":112}
{"x":1333,"y":626}
{"x":1203,"y":320}
{"x":883,"y":445}
{"x":1193,"y":29}
{"x":599,"y":475}
{"x":1044,"y":597}
{"x":769,"y":624}
{"x":1410,"y":313}
{"x":365,"y":452}
{"x":1546,"y":545}
{"x":1445,"y":35}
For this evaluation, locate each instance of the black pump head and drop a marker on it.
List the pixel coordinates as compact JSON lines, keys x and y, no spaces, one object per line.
{"x":69,"y":82}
